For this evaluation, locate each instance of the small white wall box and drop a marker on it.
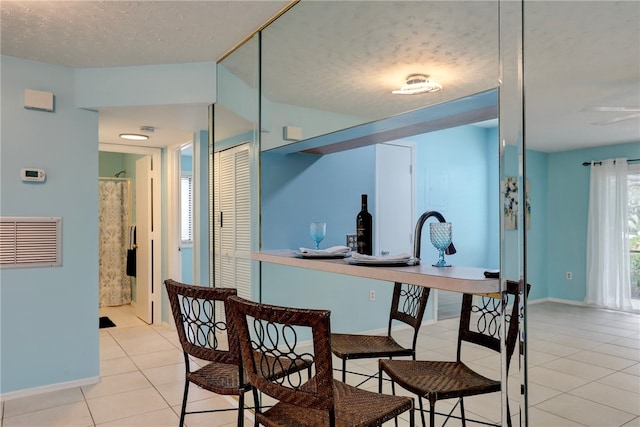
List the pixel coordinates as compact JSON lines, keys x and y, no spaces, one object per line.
{"x":32,"y":174}
{"x":38,"y":100}
{"x":291,"y":133}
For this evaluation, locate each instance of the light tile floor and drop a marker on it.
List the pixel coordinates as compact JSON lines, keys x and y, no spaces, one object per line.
{"x":584,"y":370}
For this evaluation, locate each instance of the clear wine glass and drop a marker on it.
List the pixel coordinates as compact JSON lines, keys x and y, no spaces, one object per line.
{"x":441,"y":239}
{"x":318,"y":230}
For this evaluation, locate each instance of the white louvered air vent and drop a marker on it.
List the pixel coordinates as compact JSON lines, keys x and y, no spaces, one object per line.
{"x":27,"y":242}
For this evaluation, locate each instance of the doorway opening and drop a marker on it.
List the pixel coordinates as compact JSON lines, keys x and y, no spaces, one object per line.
{"x":145,"y":281}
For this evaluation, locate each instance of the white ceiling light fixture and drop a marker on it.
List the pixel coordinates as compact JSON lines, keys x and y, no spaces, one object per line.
{"x":134,"y":136}
{"x":417,"y":84}
{"x":138,"y":136}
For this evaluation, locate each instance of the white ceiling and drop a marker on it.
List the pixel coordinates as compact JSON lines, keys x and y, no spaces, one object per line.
{"x":572,"y":60}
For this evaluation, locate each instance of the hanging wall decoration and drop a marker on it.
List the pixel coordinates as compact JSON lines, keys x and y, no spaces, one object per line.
{"x":511,"y":203}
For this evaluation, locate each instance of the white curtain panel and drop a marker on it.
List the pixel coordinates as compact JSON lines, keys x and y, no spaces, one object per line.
{"x":608,"y":259}
{"x":113,"y":221}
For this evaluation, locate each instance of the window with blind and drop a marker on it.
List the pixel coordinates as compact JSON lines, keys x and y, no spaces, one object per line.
{"x":186,"y":208}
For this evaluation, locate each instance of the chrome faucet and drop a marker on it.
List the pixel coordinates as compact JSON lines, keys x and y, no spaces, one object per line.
{"x":417,"y":236}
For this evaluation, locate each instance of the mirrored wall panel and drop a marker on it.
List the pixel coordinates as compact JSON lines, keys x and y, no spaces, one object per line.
{"x":234,"y":165}
{"x":328,"y":66}
{"x":417,"y":105}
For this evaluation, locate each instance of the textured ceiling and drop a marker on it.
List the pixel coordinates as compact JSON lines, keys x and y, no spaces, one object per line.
{"x":372,"y":47}
{"x":123,"y":33}
{"x":577,"y":54}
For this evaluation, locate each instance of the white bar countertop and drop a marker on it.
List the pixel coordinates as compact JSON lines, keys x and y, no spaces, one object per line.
{"x":455,"y":278}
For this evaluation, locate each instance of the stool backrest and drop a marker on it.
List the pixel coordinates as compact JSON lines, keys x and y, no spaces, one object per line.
{"x":201,"y":322}
{"x":272,"y":336}
{"x":480,"y":319}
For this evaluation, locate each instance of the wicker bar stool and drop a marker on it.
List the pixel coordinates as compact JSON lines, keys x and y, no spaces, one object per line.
{"x":439,"y":380}
{"x":268,"y":331}
{"x":407,"y":306}
{"x":200,"y":315}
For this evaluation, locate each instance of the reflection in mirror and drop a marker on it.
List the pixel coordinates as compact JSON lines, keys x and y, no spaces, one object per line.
{"x":236,"y":113}
{"x":512,"y":178}
{"x":481,"y":107}
{"x":333,"y":65}
{"x":234,"y":169}
{"x":573,"y":66}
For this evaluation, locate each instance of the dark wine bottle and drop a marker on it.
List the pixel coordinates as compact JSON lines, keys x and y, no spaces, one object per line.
{"x":364,"y":229}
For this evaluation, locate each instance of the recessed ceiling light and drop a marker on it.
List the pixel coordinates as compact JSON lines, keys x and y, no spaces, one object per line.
{"x":134,"y":136}
{"x":416,"y":84}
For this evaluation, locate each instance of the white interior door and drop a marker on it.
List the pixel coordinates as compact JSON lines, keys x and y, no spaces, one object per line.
{"x":144,"y":238}
{"x":395,"y":198}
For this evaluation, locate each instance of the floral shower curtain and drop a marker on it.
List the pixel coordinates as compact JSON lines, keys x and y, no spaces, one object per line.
{"x":113,"y":220}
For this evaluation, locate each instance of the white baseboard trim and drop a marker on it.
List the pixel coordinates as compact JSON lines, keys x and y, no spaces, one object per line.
{"x":168,"y":325}
{"x":579,"y":304}
{"x":566,"y":301}
{"x":48,"y":388}
{"x":560,"y":301}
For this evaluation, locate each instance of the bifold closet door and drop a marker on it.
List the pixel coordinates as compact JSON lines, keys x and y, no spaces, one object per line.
{"x":232,"y":224}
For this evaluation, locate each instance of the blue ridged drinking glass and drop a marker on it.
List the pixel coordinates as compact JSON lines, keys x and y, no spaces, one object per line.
{"x":441,"y":239}
{"x":318,"y":230}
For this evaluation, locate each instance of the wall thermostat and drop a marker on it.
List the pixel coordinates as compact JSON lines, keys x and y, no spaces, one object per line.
{"x":32,"y":174}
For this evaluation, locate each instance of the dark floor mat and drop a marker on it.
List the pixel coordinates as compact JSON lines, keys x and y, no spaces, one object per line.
{"x":105,"y":322}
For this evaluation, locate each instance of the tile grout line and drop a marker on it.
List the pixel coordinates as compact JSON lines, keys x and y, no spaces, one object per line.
{"x":139,"y":369}
{"x":86,"y":402}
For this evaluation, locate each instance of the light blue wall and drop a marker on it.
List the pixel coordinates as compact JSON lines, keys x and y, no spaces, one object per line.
{"x":57,"y":309}
{"x":346,"y":296}
{"x":493,"y":223}
{"x":186,"y":163}
{"x":110,"y":163}
{"x":186,"y":256}
{"x":298,"y":188}
{"x":146,"y":85}
{"x":311,"y":121}
{"x":567,"y":191}
{"x":467,"y":157}
{"x":49,"y":316}
{"x":537,"y":236}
